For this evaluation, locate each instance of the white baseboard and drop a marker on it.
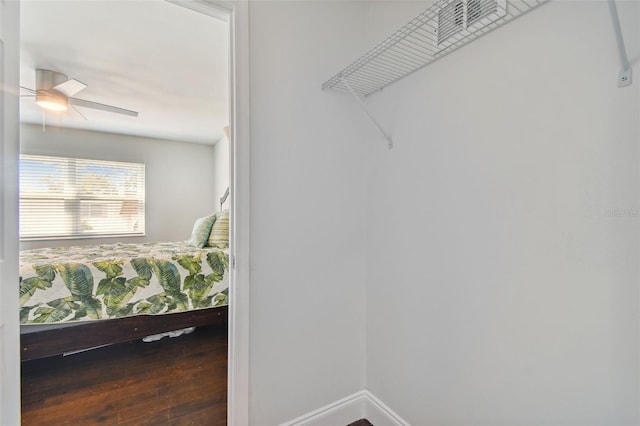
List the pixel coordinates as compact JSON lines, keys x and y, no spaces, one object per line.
{"x":362,"y":404}
{"x":379,"y":413}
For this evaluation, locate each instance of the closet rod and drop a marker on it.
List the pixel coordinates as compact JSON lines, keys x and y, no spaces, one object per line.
{"x":624,"y":76}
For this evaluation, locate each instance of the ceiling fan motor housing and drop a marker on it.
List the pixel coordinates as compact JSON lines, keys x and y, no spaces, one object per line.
{"x":46,"y":95}
{"x":47,"y":79}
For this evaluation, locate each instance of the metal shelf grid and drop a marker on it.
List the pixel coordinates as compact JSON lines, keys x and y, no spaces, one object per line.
{"x":439,"y":30}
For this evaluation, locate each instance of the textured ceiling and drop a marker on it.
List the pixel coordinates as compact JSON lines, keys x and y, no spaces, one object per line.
{"x":166,"y":62}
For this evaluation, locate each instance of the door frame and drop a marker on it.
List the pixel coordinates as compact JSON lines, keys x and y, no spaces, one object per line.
{"x":239,"y":147}
{"x":9,"y":150}
{"x":240,"y":151}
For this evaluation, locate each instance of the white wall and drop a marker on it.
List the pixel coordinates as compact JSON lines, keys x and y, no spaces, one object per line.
{"x":179,"y":177}
{"x":307,"y":205}
{"x":502,"y":268}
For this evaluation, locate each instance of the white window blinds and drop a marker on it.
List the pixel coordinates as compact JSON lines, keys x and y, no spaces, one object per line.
{"x":75,"y":198}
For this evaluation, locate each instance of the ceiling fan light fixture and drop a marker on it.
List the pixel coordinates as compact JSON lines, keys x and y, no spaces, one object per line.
{"x":53,"y":101}
{"x":55,"y":92}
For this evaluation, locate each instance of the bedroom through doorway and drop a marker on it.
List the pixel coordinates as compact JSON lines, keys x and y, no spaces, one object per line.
{"x":125,"y":182}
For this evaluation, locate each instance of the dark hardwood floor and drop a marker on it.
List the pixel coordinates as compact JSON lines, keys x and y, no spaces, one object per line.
{"x":361,"y":422}
{"x":174,"y":381}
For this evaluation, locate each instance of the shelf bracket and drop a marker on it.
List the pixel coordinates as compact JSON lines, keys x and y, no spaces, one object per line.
{"x":624,"y":76}
{"x":371,"y":117}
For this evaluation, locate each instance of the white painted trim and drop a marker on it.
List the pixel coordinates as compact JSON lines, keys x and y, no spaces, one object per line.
{"x":9,"y":148}
{"x":379,"y":413}
{"x":205,"y":7}
{"x":340,"y":412}
{"x":362,"y":404}
{"x":239,"y":150}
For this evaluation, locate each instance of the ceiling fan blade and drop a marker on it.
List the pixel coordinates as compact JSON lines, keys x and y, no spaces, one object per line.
{"x":70,"y":87}
{"x":103,"y":107}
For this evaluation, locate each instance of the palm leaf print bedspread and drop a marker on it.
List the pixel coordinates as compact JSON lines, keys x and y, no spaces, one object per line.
{"x":116,"y":280}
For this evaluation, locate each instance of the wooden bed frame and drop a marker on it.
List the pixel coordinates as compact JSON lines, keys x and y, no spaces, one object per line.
{"x":57,"y":341}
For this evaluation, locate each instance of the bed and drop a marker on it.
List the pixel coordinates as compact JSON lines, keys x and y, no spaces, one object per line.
{"x":118,"y":292}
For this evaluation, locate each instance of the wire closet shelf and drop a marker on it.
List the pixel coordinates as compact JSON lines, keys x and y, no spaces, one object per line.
{"x":442,"y":28}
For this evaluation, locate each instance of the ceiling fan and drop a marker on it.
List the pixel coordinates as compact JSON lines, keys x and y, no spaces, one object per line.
{"x":54,"y":92}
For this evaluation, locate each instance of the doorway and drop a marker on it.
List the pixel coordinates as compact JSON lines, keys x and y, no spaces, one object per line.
{"x":239,"y":183}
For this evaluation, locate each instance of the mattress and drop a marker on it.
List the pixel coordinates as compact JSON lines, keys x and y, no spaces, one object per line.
{"x":71,"y":284}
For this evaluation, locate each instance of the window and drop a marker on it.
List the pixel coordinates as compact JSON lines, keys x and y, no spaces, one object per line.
{"x":75,"y":198}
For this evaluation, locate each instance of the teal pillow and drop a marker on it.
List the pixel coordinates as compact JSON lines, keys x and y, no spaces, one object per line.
{"x":219,"y":236}
{"x":201,"y":230}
